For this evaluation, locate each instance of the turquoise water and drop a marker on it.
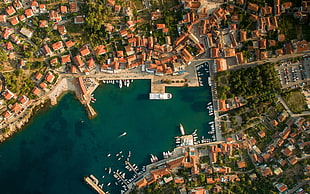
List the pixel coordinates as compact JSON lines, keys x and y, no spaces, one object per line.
{"x":61,"y":145}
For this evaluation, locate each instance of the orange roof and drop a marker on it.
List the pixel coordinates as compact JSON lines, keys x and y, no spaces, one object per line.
{"x":82,"y":86}
{"x":63,"y":9}
{"x":91,"y":63}
{"x":8,"y":95}
{"x":161,"y":26}
{"x":222,"y":104}
{"x":243,"y":35}
{"x":141,"y":183}
{"x":49,"y":77}
{"x":29,"y":13}
{"x":100,"y":50}
{"x":35,"y":90}
{"x":43,"y":23}
{"x":23,"y":99}
{"x":241,"y":164}
{"x":43,"y":85}
{"x":65,"y":59}
{"x":38,"y":76}
{"x":69,"y":43}
{"x":6,"y":114}
{"x":253,"y":7}
{"x":78,"y":60}
{"x":73,"y":69}
{"x":57,"y":45}
{"x":84,"y":51}
{"x":240,"y":57}
{"x":14,"y":21}
{"x":10,"y":10}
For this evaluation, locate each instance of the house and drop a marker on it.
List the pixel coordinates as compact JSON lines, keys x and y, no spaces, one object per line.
{"x":9,"y":46}
{"x":57,"y":46}
{"x":54,"y":61}
{"x":91,"y":63}
{"x":240,"y":58}
{"x":42,"y":85}
{"x":23,"y":99}
{"x":7,"y":94}
{"x":14,"y":20}
{"x":43,"y":23}
{"x":63,"y":9}
{"x":215,"y":52}
{"x":17,"y":5}
{"x":29,"y":13}
{"x":100,"y":50}
{"x":22,"y":17}
{"x":243,"y":35}
{"x":15,"y":39}
{"x":3,"y":18}
{"x":78,"y":60}
{"x":123,"y":32}
{"x":73,"y":7}
{"x":10,"y":10}
{"x":262,"y":44}
{"x":26,"y":32}
{"x":84,"y":51}
{"x":253,"y":18}
{"x":7,"y":114}
{"x":282,"y":188}
{"x":117,"y":8}
{"x":36,"y":91}
{"x":54,"y":16}
{"x":292,"y":160}
{"x":61,"y":29}
{"x":6,"y":33}
{"x":253,"y":7}
{"x":34,"y":5}
{"x":49,"y":77}
{"x":160,"y":26}
{"x":42,"y":8}
{"x":78,"y":20}
{"x":73,"y":69}
{"x":65,"y":59}
{"x":38,"y":76}
{"x":47,"y":50}
{"x":69,"y":43}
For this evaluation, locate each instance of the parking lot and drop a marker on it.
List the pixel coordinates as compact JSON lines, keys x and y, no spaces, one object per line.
{"x":292,"y":74}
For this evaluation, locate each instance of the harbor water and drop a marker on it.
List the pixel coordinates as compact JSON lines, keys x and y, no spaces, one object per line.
{"x":61,"y":145}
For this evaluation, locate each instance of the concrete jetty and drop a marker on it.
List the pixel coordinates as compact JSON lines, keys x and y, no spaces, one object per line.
{"x":93,"y":182}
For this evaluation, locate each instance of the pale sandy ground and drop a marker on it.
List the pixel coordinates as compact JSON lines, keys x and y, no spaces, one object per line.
{"x":64,"y":85}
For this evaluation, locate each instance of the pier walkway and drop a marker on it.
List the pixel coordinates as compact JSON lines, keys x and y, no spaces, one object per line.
{"x":93,"y":182}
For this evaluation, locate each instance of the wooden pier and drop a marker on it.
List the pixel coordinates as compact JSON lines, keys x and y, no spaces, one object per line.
{"x":93,"y":182}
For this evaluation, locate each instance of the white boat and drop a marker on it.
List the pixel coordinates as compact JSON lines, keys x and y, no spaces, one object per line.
{"x":182,"y":129}
{"x":108,"y":155}
{"x":120,"y":84}
{"x":123,"y":134}
{"x":160,"y":96}
{"x":110,"y":170}
{"x":108,"y":184}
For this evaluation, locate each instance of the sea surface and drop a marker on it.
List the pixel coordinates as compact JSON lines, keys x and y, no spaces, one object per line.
{"x":61,"y":145}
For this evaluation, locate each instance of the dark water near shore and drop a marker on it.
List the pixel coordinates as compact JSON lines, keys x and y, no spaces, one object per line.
{"x":61,"y":146}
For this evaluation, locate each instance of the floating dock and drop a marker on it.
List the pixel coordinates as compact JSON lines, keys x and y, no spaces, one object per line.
{"x":93,"y":182}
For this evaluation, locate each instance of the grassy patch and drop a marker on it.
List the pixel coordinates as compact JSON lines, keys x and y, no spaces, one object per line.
{"x":295,"y":100}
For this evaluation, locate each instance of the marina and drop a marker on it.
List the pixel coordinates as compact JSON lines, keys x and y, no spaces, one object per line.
{"x":53,"y":131}
{"x":92,"y":181}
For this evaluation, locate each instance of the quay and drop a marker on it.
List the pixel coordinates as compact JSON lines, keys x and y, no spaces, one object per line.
{"x":93,"y":182}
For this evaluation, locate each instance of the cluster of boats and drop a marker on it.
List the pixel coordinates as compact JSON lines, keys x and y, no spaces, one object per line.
{"x":167,"y":154}
{"x":203,"y":73}
{"x":120,"y":83}
{"x":92,"y":98}
{"x":153,"y":158}
{"x":210,"y":108}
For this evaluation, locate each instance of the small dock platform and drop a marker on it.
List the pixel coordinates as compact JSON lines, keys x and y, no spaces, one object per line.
{"x":93,"y":182}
